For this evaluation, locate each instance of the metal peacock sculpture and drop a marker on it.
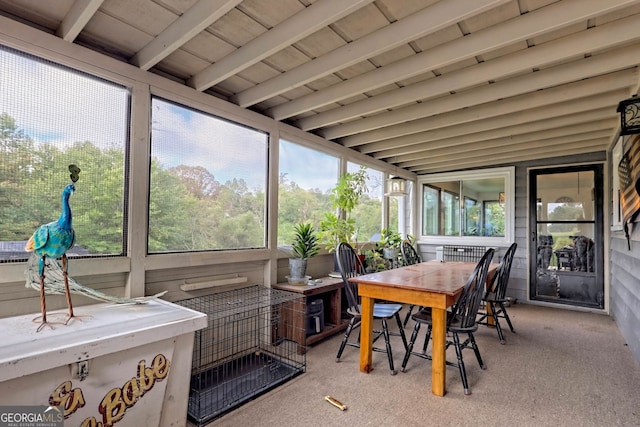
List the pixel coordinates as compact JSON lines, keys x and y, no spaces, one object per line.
{"x":52,"y":241}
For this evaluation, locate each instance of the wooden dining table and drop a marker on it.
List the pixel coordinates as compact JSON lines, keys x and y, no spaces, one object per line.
{"x":432,"y":284}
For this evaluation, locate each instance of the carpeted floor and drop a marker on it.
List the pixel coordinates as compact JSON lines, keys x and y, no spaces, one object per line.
{"x":561,"y":368}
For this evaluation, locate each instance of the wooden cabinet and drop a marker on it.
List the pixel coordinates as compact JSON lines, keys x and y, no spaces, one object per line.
{"x":330,"y":291}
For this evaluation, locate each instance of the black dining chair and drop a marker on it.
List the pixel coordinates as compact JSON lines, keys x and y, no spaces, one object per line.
{"x":461,"y":320}
{"x":409,"y":257}
{"x":495,"y":296}
{"x":350,"y":266}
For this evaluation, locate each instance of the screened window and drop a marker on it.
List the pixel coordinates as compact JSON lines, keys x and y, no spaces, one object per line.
{"x":305,"y":181}
{"x":50,"y":117}
{"x":208,"y":182}
{"x":468,"y":206}
{"x":368,"y":214}
{"x":430,"y":209}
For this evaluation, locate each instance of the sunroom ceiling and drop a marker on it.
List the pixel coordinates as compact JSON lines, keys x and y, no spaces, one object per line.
{"x":425,"y":85}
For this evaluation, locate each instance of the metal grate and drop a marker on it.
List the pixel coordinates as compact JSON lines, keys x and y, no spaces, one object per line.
{"x":462,"y":253}
{"x":247,"y":348}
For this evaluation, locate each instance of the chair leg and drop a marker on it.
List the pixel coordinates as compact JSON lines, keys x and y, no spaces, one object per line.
{"x":414,"y":335}
{"x":499,"y":329}
{"x":408,"y":316}
{"x":385,"y":331}
{"x":476,"y":350}
{"x":461,"y":368}
{"x":496,"y":322}
{"x":426,"y":340}
{"x":401,"y":330}
{"x":345,"y":338}
{"x":506,"y":316}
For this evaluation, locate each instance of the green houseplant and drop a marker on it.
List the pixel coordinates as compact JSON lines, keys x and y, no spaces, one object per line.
{"x":304,"y":246}
{"x":340,"y":226}
{"x":390,"y":241}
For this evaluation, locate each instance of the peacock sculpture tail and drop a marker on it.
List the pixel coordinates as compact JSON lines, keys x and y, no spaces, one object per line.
{"x":52,"y":241}
{"x":54,"y":283}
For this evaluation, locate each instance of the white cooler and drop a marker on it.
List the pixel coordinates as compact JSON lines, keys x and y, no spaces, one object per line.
{"x":125,"y":364}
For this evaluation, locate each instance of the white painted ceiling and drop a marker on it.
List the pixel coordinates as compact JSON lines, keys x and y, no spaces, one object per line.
{"x":426,"y":85}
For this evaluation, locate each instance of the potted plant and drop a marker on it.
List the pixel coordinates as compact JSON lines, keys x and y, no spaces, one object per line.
{"x":339,"y":226}
{"x":374,"y":261}
{"x":390,"y":241}
{"x":304,"y":246}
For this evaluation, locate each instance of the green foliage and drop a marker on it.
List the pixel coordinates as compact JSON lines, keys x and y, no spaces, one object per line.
{"x":345,"y":196}
{"x":390,"y":238}
{"x":305,"y":243}
{"x":374,"y":261}
{"x":188,"y":208}
{"x":297,"y":205}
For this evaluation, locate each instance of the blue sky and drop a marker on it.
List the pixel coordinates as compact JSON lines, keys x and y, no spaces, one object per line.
{"x":51,"y":105}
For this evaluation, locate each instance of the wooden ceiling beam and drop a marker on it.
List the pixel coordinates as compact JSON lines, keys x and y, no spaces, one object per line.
{"x":76,"y":18}
{"x":516,"y":123}
{"x":582,"y":147}
{"x":611,"y":61}
{"x":507,"y":144}
{"x":575,"y":45}
{"x":307,"y":21}
{"x":528,"y":101}
{"x":193,"y":21}
{"x":518,"y":29}
{"x":420,"y":24}
{"x":590,"y":121}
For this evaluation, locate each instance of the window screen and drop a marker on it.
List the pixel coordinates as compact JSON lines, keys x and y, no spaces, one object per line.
{"x":208,"y":182}
{"x":50,"y":117}
{"x":306,"y":179}
{"x":368,"y":213}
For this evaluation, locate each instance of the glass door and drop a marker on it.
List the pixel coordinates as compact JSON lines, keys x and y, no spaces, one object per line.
{"x":567,"y":235}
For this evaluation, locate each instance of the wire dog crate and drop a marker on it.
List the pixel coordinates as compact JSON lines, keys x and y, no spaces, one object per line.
{"x":246,"y":349}
{"x":462,"y":253}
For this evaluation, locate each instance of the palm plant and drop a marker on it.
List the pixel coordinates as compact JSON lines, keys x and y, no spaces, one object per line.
{"x":305,"y":245}
{"x":305,"y":242}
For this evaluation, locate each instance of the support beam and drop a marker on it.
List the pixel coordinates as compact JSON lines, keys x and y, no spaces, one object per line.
{"x":543,"y":20}
{"x":519,"y":122}
{"x":614,"y":60}
{"x":541,"y":98}
{"x":578,"y":148}
{"x":183,"y":29}
{"x":579,"y":44}
{"x":299,"y":26}
{"x":557,"y":137}
{"x":76,"y":19}
{"x":426,"y":21}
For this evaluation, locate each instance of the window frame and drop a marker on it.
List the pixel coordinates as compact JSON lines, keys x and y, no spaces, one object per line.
{"x":506,"y":173}
{"x":206,"y":112}
{"x":110,"y":79}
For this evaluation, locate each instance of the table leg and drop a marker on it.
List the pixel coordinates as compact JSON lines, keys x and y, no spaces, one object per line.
{"x":366,"y":335}
{"x":438,"y":356}
{"x":490,"y":322}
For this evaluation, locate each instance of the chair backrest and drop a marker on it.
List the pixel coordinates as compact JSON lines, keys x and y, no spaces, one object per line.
{"x":350,"y":266}
{"x":501,"y":278}
{"x":409,"y":254}
{"x":468,"y":304}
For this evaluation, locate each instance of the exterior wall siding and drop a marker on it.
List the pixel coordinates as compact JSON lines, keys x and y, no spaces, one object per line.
{"x":625,"y":288}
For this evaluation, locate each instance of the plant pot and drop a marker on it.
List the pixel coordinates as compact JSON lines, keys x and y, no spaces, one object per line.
{"x":390,"y":253}
{"x":297,"y":268}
